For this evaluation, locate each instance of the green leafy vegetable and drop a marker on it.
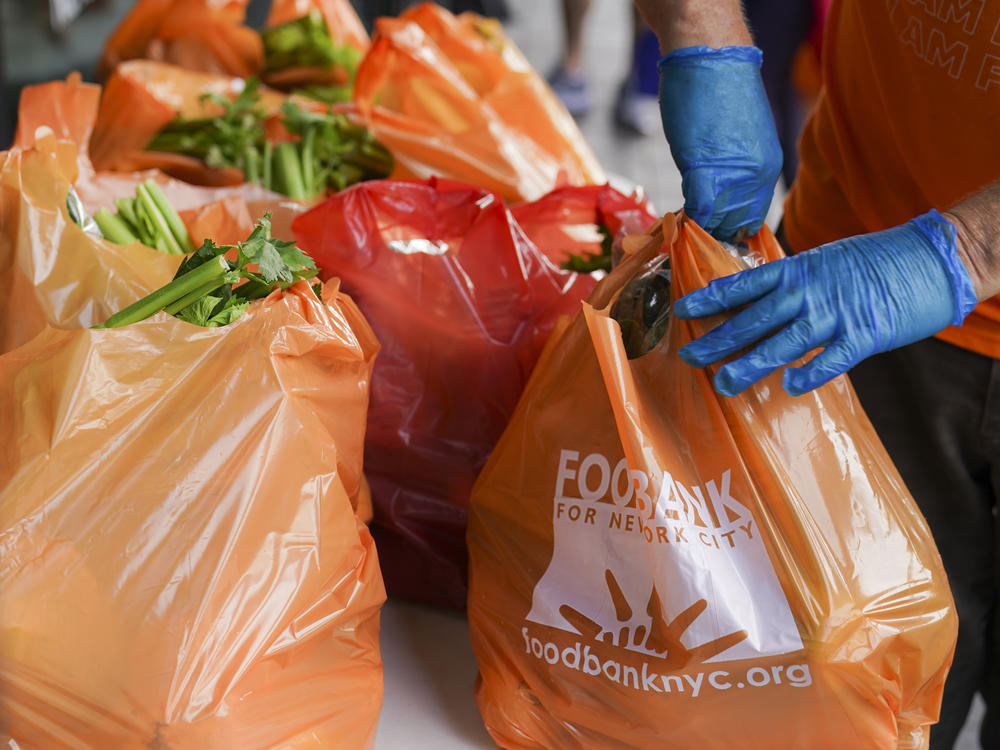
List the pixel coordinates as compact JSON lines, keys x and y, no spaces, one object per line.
{"x":209,"y":290}
{"x":333,"y":152}
{"x":147,"y":218}
{"x":328,"y":151}
{"x":306,"y":41}
{"x":220,"y":141}
{"x":328,"y":93}
{"x":590,"y":262}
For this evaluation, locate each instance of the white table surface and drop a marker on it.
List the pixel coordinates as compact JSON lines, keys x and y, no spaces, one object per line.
{"x":430,"y":675}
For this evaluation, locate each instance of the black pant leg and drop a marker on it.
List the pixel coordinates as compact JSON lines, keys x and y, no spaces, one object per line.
{"x":928,"y":404}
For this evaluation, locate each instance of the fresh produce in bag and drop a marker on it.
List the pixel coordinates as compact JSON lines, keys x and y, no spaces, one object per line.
{"x":452,"y":96}
{"x":462,"y":304}
{"x":55,"y":271}
{"x":313,"y":47}
{"x":52,"y":271}
{"x":655,"y":565}
{"x":206,"y":35}
{"x":342,"y":22}
{"x":249,"y":136}
{"x":182,"y":566}
{"x":576,"y":226}
{"x":142,"y":97}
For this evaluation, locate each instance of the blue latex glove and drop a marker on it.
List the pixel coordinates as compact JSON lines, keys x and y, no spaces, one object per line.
{"x":721,"y":133}
{"x":855,"y":297}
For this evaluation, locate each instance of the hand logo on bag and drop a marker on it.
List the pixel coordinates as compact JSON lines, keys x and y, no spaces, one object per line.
{"x":661,"y":638}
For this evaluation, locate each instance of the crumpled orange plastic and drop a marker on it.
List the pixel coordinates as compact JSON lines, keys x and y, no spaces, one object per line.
{"x":655,"y":565}
{"x":452,"y":96}
{"x":180,"y":561}
{"x":55,"y":274}
{"x":52,"y":273}
{"x":206,"y":35}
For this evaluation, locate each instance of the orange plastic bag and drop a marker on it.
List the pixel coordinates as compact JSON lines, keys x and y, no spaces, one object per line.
{"x":51,"y":271}
{"x":341,"y":19}
{"x":182,"y":566}
{"x":206,"y":35}
{"x":654,"y":565}
{"x":462,"y":305}
{"x":141,"y":97}
{"x":452,"y":96}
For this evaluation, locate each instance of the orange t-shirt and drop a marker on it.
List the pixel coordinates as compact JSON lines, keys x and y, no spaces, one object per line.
{"x":907,"y":121}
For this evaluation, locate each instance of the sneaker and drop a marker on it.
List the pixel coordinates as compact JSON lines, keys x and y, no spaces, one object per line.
{"x":637,"y":113}
{"x":572,"y":90}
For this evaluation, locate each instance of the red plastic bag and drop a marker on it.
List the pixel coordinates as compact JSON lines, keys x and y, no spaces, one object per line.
{"x":462,"y":304}
{"x":452,"y":96}
{"x":655,"y":565}
{"x":180,"y":563}
{"x":568,"y":221}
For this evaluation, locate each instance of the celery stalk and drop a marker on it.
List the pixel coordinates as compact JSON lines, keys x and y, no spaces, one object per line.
{"x":159,"y":222}
{"x":308,"y":162}
{"x":114,"y":228}
{"x":288,"y":171}
{"x":210,"y":270}
{"x":177,"y":227}
{"x":191,"y":297}
{"x":268,"y":158}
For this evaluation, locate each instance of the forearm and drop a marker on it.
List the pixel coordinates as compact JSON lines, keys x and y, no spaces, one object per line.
{"x":977,"y":220}
{"x":687,"y":23}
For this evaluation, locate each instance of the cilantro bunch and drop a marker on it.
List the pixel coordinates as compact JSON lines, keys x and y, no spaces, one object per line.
{"x":209,"y":290}
{"x":329,"y":152}
{"x":233,"y":138}
{"x":306,"y":42}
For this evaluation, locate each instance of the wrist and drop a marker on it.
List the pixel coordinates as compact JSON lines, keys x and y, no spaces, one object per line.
{"x":714,"y":23}
{"x":972,"y":249}
{"x":940,"y":233}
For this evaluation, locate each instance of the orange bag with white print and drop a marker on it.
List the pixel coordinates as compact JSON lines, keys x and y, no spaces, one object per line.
{"x":654,"y":565}
{"x":452,"y":96}
{"x":181,"y":563}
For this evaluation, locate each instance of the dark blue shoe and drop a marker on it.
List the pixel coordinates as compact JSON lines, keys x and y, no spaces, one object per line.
{"x":572,"y":90}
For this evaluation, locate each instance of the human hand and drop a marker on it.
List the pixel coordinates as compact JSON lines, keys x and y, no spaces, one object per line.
{"x":721,"y":133}
{"x":855,"y":297}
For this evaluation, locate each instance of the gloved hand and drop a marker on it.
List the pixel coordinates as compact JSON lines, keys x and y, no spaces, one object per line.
{"x":721,"y":133}
{"x":855,"y":297}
